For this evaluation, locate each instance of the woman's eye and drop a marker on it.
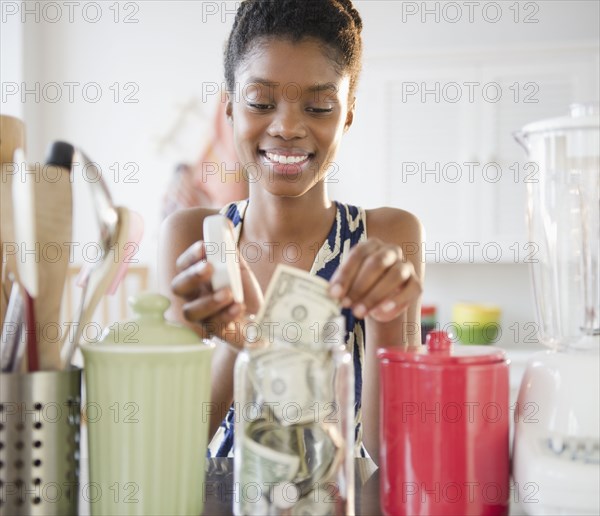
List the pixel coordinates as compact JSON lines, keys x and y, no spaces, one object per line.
{"x":261,"y":107}
{"x":319,"y":110}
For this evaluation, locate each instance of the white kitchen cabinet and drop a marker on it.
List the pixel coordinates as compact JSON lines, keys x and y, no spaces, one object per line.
{"x":434,"y":136}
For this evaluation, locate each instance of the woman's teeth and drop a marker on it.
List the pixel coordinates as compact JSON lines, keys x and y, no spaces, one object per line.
{"x":285,"y":160}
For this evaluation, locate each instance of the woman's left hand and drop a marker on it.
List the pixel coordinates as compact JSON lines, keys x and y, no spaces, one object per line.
{"x":376,"y":280}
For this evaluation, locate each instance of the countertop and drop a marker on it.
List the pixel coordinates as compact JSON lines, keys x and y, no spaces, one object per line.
{"x":218,"y":489}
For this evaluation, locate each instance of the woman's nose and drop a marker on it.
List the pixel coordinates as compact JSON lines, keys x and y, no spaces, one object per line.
{"x":287,"y":122}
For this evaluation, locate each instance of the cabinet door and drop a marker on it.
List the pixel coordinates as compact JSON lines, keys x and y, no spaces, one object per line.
{"x":431,"y":134}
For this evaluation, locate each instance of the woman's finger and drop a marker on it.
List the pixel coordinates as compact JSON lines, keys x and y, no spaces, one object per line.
{"x":190,"y":256}
{"x":210,"y":307}
{"x":214,"y":319}
{"x":373,"y":268}
{"x":193,"y":281}
{"x":386,"y":285}
{"x":343,"y":278}
{"x":392,"y":307}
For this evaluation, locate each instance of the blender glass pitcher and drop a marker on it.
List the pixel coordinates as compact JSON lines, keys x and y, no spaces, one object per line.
{"x":564,"y":224}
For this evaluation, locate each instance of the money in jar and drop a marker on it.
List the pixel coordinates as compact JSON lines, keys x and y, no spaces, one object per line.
{"x":294,"y":401}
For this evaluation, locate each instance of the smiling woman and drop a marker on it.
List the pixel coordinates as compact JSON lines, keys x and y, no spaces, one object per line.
{"x":291,"y":69}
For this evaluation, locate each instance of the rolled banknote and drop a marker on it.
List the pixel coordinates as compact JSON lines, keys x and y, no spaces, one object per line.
{"x":272,"y":465}
{"x":303,"y":454}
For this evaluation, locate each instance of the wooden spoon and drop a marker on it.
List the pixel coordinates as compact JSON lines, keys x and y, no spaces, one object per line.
{"x":54,"y":228}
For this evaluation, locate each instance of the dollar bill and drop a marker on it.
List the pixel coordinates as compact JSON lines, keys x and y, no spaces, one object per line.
{"x":289,"y":440}
{"x":268,"y":465}
{"x":293,"y":384}
{"x":297,"y":307}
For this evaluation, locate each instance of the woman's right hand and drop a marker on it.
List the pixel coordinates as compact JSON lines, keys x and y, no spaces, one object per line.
{"x":214,"y":313}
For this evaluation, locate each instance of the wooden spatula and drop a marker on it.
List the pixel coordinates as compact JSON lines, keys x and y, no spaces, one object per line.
{"x":12,"y":137}
{"x":54,"y":213}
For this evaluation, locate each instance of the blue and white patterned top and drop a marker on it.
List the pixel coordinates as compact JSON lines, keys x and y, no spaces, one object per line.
{"x":348,"y":229}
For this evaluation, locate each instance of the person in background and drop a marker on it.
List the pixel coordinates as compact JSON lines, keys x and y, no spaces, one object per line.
{"x":215,"y":180}
{"x":181,"y":192}
{"x":291,"y":70}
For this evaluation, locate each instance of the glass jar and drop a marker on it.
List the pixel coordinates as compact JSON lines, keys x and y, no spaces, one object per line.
{"x":294,"y":436}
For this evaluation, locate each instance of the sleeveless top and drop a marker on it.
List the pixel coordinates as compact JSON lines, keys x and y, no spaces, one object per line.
{"x":348,"y":229}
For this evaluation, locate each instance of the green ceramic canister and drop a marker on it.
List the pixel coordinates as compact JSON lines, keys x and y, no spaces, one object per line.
{"x":148,"y":389}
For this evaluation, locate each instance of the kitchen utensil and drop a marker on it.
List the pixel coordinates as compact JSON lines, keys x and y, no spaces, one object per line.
{"x":11,"y":350}
{"x":12,"y":137}
{"x":107,"y":217}
{"x":557,"y":418}
{"x":476,"y":323}
{"x":24,"y":219}
{"x":54,"y":209}
{"x":104,"y":208}
{"x":136,"y":231}
{"x":153,"y":378}
{"x":444,"y":429}
{"x":39,"y":443}
{"x":108,"y":221}
{"x":98,"y":281}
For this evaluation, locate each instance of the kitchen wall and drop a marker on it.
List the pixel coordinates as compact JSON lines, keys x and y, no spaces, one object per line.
{"x":133,"y":83}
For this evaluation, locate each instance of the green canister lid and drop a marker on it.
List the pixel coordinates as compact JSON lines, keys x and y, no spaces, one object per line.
{"x":149,"y":326}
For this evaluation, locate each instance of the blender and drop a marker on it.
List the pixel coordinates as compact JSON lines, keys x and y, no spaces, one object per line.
{"x":556,"y":466}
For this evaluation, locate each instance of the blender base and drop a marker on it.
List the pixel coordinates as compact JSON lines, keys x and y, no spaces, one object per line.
{"x":556,"y":452}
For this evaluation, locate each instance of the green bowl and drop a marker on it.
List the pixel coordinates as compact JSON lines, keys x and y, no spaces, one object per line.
{"x":476,"y":323}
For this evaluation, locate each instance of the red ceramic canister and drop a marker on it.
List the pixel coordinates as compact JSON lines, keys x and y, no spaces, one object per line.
{"x":444,"y":429}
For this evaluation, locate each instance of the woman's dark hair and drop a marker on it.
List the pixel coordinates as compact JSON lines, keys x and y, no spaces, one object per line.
{"x":336,"y":23}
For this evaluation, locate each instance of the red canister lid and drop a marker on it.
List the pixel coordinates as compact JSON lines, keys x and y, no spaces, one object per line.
{"x":439,"y":349}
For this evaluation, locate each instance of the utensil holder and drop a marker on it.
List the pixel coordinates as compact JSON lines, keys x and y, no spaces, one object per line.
{"x":39,"y":442}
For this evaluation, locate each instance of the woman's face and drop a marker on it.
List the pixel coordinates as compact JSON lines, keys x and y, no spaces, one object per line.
{"x":289,"y":111}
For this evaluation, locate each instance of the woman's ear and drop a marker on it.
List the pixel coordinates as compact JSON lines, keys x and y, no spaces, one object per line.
{"x":350,"y":115}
